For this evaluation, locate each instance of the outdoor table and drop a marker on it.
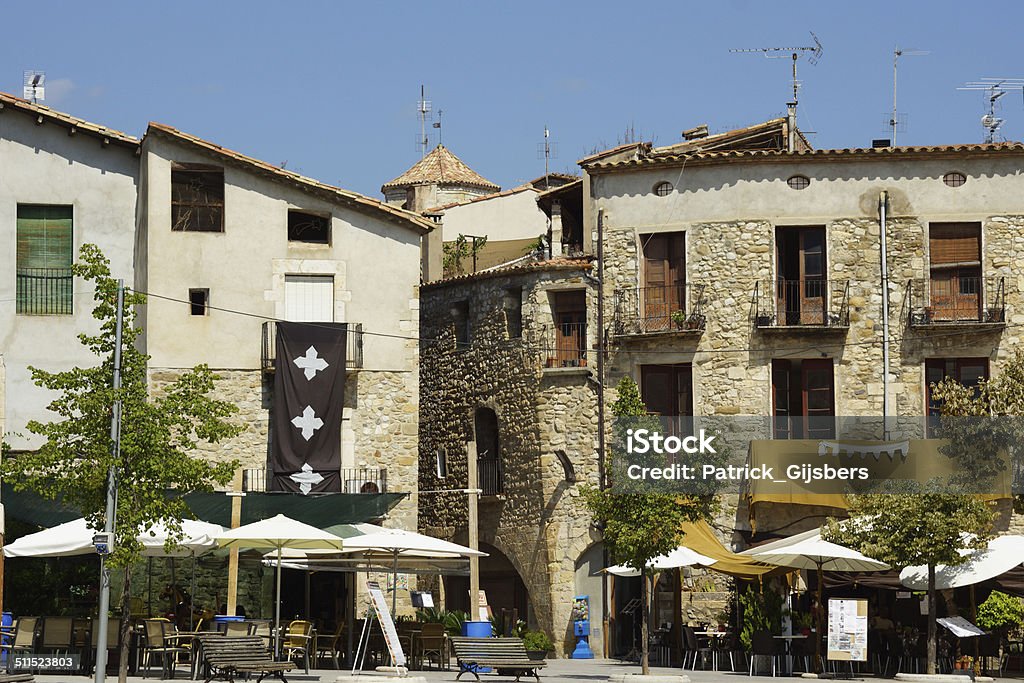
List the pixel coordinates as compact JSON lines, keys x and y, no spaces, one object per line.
{"x":713,"y":640}
{"x":789,"y":646}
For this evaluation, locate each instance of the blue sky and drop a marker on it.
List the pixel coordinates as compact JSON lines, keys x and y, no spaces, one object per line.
{"x":330,"y":87}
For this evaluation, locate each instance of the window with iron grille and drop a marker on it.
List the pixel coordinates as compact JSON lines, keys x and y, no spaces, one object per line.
{"x":663,"y":189}
{"x":798,"y":182}
{"x":197,"y":198}
{"x":45,"y":247}
{"x":954,"y":179}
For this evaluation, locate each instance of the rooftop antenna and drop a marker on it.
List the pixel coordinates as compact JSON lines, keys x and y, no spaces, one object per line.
{"x":548,"y":151}
{"x":34,"y":89}
{"x":813,"y":55}
{"x":995,"y":88}
{"x":423,"y":110}
{"x":437,"y":124}
{"x":894,"y":120}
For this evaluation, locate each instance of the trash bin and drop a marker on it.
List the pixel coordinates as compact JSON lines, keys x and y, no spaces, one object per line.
{"x":476,"y":629}
{"x":220,"y":619}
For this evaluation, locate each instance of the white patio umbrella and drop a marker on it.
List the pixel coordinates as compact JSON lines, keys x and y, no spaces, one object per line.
{"x":279,"y":532}
{"x":75,"y":538}
{"x":680,"y":557}
{"x":818,"y":554}
{"x":1003,"y":554}
{"x":398,"y":544}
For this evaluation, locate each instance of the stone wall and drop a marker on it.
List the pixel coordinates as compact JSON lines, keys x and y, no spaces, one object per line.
{"x":539,"y":522}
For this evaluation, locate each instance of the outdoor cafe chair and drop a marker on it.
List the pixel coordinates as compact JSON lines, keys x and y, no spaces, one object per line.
{"x":299,"y":639}
{"x":58,"y":635}
{"x":24,"y":638}
{"x":432,"y":642}
{"x":764,"y":644}
{"x":234,"y":629}
{"x":329,"y":645}
{"x":159,"y":642}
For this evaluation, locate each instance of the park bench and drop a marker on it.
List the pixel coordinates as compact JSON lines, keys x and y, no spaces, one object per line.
{"x":224,"y":658}
{"x":17,"y":678}
{"x":508,"y":655}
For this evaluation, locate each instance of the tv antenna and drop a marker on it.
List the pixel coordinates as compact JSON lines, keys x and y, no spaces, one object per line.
{"x":894,"y":120}
{"x":548,"y":151}
{"x":34,"y":89}
{"x":813,"y":55}
{"x":423,"y":111}
{"x":994,"y":88}
{"x":437,"y":124}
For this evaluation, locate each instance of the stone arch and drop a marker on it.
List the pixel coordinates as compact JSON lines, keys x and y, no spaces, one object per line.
{"x":500,"y":579}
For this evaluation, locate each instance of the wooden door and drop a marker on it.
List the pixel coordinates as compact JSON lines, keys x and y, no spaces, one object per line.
{"x":667,"y":391}
{"x":782,"y":413}
{"x":955,"y":286}
{"x":664,"y":284}
{"x":812,"y":276}
{"x":818,"y":391}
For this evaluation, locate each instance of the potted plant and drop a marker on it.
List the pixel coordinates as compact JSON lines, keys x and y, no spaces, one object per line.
{"x":537,"y":645}
{"x":679,"y":318}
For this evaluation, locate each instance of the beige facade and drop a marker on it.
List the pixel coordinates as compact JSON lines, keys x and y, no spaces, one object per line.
{"x":90,"y":173}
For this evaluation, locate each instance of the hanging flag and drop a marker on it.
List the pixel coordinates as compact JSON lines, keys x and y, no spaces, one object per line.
{"x":309,"y":393}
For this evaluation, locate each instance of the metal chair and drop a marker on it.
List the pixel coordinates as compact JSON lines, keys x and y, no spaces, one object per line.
{"x":763,"y":644}
{"x":432,"y":641}
{"x":299,"y":639}
{"x":330,"y":645}
{"x":234,"y":629}
{"x":158,"y":643}
{"x":24,"y":639}
{"x":58,"y":635}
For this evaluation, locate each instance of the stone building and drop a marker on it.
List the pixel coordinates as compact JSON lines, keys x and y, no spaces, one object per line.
{"x":508,"y":378}
{"x":438,"y":178}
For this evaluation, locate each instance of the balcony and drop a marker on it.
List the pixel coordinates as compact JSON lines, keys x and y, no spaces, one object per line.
{"x":673,"y":309}
{"x":565,"y":345}
{"x":964,"y":302}
{"x":353,"y":351}
{"x":489,"y":476}
{"x":364,"y":480}
{"x":44,"y":291}
{"x":812,"y":304}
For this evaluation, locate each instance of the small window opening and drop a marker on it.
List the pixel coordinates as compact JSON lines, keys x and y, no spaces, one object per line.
{"x":308,"y":227}
{"x":199,"y":301}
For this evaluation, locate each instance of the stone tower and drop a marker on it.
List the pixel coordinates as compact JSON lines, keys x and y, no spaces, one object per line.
{"x":438,"y":178}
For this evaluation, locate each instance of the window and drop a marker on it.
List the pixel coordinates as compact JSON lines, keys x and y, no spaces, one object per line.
{"x":954,"y":179}
{"x":460,"y":317}
{"x":45,"y":245}
{"x":664,"y":273}
{"x":197,"y":198}
{"x":967,"y":371}
{"x":488,"y":452}
{"x":801,"y":285}
{"x":798,"y":182}
{"x":667,"y":391}
{"x":199,"y":300}
{"x":441,"y":462}
{"x":308,"y":227}
{"x":803,"y":398}
{"x":663,"y":189}
{"x":309,"y":298}
{"x":513,"y":305}
{"x":569,"y":310}
{"x":954,"y":252}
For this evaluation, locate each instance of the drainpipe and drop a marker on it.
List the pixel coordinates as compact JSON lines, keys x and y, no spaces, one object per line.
{"x":883,"y":204}
{"x":605,"y":637}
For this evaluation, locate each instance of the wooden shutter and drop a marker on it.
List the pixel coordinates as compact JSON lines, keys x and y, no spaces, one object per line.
{"x":781,"y":399}
{"x":309,"y":298}
{"x":954,"y":243}
{"x":664,"y":277}
{"x":818,"y":397}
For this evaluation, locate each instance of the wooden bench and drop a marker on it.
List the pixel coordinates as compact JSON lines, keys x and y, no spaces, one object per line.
{"x":17,"y":678}
{"x":224,"y":658}
{"x":506,"y":654}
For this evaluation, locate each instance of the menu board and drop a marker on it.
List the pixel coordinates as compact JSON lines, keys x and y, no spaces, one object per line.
{"x":848,"y":629}
{"x":387,"y":624}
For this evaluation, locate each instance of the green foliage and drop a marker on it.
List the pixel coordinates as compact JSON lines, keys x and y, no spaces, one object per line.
{"x":1000,"y":612}
{"x":459,"y":250}
{"x":452,"y":620}
{"x":762,"y":611}
{"x":538,"y":640}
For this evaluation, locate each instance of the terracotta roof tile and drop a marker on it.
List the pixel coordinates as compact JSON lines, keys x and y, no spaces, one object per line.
{"x":353,"y":199}
{"x":441,"y":166}
{"x":482,"y":198}
{"x":526,"y":264}
{"x":68,"y":120}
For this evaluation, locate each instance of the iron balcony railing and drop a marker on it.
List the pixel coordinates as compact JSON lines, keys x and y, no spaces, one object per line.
{"x":353,"y":346}
{"x":353,"y":480}
{"x":953,"y":300}
{"x":810,"y":303}
{"x":565,"y":345}
{"x":489,"y":476}
{"x":666,"y":308}
{"x":44,"y":291}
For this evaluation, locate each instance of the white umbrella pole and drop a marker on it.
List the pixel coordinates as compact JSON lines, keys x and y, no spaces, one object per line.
{"x":394,"y":584}
{"x":277,"y":609}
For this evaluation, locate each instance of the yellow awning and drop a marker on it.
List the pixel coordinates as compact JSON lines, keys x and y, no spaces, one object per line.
{"x":701,"y":538}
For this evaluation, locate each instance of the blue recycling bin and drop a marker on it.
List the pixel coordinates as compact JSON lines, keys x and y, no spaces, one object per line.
{"x":220,"y":619}
{"x":6,"y":620}
{"x":476,"y":629}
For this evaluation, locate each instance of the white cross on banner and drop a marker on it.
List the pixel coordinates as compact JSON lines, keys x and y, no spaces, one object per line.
{"x":309,"y":398}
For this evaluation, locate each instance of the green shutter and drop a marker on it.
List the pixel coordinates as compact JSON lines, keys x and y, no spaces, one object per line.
{"x":45,"y":253}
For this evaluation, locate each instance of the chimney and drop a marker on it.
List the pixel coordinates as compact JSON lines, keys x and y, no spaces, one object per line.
{"x":697,"y":133}
{"x":791,"y":126}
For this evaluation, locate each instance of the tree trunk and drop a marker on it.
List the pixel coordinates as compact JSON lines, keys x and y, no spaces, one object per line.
{"x":931,"y":619}
{"x":819,"y":621}
{"x":126,"y":621}
{"x":645,"y":599}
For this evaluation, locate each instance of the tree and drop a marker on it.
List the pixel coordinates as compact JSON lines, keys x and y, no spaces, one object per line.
{"x":925,"y":527}
{"x":641,"y":526}
{"x":454,"y":253}
{"x":158,"y":434}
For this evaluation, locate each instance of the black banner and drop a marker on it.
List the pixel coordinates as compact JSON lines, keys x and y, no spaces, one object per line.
{"x":309,"y":392}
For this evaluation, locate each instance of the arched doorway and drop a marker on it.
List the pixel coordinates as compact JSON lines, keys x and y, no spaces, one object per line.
{"x":499,"y":580}
{"x":488,"y":452}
